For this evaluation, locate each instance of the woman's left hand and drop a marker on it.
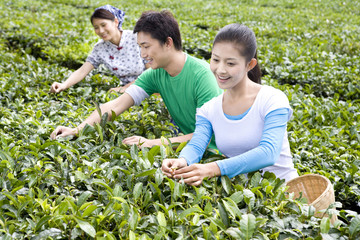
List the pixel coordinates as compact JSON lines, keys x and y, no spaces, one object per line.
{"x":195,"y":173}
{"x":170,"y":165}
{"x":139,"y":141}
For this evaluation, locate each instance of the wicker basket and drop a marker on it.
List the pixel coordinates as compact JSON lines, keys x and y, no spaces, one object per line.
{"x":317,"y":189}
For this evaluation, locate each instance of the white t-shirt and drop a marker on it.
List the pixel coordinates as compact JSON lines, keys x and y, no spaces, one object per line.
{"x":234,"y":137}
{"x":124,"y":61}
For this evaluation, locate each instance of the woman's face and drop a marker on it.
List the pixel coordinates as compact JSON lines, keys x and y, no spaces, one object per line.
{"x":106,"y":29}
{"x":228,"y":66}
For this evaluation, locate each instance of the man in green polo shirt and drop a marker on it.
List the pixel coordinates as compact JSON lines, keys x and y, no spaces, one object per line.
{"x":185,"y":83}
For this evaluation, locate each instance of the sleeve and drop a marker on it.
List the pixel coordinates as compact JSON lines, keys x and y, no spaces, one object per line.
{"x":205,"y":109}
{"x":277,"y":100}
{"x":137,"y":93}
{"x":195,"y":149}
{"x":206,"y":88}
{"x":94,"y":57}
{"x":146,"y":81}
{"x":268,"y":151}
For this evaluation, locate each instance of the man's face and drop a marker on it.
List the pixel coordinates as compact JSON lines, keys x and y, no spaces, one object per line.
{"x":151,"y":50}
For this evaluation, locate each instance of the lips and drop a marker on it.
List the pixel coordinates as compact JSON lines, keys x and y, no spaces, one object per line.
{"x":149,"y":61}
{"x":104,"y":35}
{"x":222,"y":78}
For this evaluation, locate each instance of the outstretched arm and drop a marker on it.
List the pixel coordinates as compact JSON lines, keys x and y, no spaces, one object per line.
{"x":196,"y":147}
{"x":74,"y":78}
{"x":118,"y":105}
{"x":183,"y":167}
{"x":141,"y":141}
{"x":264,"y":155}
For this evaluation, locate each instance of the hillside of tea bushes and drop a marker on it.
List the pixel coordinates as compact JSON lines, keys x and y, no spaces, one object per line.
{"x":93,"y":186}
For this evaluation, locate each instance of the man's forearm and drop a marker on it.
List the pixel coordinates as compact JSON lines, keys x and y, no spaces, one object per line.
{"x":179,"y":139}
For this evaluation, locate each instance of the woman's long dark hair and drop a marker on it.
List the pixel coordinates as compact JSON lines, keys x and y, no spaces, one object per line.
{"x":245,"y":40}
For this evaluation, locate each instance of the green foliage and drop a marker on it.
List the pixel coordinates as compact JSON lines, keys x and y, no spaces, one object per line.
{"x":93,"y":186}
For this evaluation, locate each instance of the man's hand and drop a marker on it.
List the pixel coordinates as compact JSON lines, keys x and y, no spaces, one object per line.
{"x":139,"y":141}
{"x":117,"y":89}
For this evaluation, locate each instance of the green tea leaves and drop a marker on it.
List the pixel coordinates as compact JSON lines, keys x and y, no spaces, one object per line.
{"x":86,"y":227}
{"x":94,"y":186}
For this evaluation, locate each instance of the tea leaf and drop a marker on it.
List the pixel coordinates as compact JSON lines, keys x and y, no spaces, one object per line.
{"x":161,"y":219}
{"x":41,"y":222}
{"x":137,"y":190}
{"x":354,"y":228}
{"x":146,"y":173}
{"x":247,"y":226}
{"x":86,"y":227}
{"x":225,"y":182}
{"x":223,"y":215}
{"x":188,"y":211}
{"x":89,"y":210}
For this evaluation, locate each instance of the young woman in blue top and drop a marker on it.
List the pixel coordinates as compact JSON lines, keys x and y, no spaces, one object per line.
{"x":248,"y":120}
{"x":117,"y":50}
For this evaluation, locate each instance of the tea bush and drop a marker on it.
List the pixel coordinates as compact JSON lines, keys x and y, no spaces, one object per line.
{"x":93,"y":186}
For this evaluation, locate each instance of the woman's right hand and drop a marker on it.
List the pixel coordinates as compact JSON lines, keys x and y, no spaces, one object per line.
{"x":62,"y":131}
{"x":171,"y":164}
{"x":57,"y":87}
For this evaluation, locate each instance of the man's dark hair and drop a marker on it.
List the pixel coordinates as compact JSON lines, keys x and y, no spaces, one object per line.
{"x":160,"y":25}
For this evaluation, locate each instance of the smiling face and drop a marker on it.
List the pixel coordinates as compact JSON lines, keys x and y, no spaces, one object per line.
{"x":152,"y":50}
{"x":228,"y":66}
{"x":106,"y":29}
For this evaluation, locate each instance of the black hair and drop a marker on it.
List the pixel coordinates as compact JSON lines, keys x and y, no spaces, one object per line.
{"x":160,"y":25}
{"x":102,"y":14}
{"x":245,"y":40}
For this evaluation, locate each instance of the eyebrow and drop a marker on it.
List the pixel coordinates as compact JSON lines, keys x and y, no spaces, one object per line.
{"x":226,"y":58}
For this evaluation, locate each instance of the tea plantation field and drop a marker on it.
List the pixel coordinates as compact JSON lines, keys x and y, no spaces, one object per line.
{"x":94,"y":187}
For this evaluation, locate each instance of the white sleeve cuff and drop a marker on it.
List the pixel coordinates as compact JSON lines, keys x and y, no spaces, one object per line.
{"x":137,"y":93}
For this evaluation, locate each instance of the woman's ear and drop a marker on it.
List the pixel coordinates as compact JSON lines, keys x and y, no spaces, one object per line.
{"x":252,"y":64}
{"x":116,"y":22}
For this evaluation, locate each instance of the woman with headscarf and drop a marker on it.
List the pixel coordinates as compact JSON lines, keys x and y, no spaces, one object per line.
{"x":117,"y":50}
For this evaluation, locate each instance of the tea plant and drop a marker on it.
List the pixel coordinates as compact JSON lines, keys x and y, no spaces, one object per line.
{"x":93,"y":186}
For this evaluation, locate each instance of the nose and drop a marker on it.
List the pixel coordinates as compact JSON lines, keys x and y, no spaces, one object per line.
{"x":221,"y":68}
{"x":143,"y":53}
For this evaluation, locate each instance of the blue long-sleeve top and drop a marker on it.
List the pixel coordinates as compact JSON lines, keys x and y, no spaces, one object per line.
{"x":264,"y":155}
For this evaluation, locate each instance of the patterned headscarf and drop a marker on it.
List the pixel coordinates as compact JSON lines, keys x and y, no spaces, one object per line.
{"x":116,"y":12}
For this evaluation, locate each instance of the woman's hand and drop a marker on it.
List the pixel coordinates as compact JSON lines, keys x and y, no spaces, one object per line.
{"x":170,"y":165}
{"x":62,"y":131}
{"x":57,"y":87}
{"x":139,"y":141}
{"x":195,"y":173}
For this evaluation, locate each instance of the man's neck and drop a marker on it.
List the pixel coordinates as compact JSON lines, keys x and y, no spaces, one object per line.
{"x":176,"y":63}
